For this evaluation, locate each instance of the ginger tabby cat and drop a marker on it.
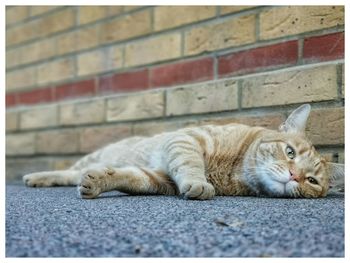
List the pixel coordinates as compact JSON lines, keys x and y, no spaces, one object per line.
{"x":202,"y":162}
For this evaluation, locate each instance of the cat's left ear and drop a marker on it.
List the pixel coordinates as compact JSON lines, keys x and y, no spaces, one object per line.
{"x":297,"y":120}
{"x":336,"y":171}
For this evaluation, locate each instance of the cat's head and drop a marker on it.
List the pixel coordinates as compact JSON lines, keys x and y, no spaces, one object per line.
{"x":288,"y":164}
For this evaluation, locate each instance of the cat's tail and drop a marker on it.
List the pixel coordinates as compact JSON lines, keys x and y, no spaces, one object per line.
{"x":52,"y":178}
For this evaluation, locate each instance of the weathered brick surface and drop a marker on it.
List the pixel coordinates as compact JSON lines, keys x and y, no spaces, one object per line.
{"x":66,"y":43}
{"x":138,"y":106}
{"x":62,"y":69}
{"x":98,"y":61}
{"x":152,"y":128}
{"x":22,"y":33}
{"x":155,"y":49}
{"x":254,"y":59}
{"x":12,"y":120}
{"x":125,"y":82}
{"x":326,"y":126}
{"x":75,"y":113}
{"x":183,"y":72}
{"x":126,"y":27}
{"x":21,"y":78}
{"x":77,"y":89}
{"x":16,"y":14}
{"x":41,"y":9}
{"x":57,"y":141}
{"x":172,"y":16}
{"x":87,"y":37}
{"x":234,"y":32}
{"x":39,"y":117}
{"x":37,"y":51}
{"x":88,"y":14}
{"x":291,"y":20}
{"x":270,"y":121}
{"x":57,"y":22}
{"x":20,"y":144}
{"x":234,"y":8}
{"x":13,"y":58}
{"x":17,"y":167}
{"x":308,"y":85}
{"x":327,"y":47}
{"x":96,"y":137}
{"x":209,"y":97}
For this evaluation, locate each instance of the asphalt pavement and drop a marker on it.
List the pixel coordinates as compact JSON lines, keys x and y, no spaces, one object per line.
{"x":55,"y":222}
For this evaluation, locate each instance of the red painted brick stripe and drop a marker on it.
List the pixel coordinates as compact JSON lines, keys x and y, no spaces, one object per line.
{"x":11,"y":99}
{"x":322,"y":48}
{"x":35,"y":96}
{"x":183,"y":72}
{"x":122,"y":82}
{"x":250,"y":60}
{"x":78,"y":89}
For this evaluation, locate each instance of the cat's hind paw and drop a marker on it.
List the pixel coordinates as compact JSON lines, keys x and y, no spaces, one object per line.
{"x":91,"y":184}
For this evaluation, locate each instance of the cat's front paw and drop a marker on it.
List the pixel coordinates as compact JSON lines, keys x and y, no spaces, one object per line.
{"x":93,"y":182}
{"x":197,"y":190}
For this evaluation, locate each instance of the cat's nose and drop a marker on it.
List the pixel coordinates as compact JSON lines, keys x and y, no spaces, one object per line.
{"x":294,"y":176}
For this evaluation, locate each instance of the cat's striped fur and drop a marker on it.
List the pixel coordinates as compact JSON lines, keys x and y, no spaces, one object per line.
{"x":205,"y":161}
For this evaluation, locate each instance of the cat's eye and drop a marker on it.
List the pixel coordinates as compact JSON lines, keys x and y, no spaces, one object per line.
{"x":290,"y":152}
{"x":312,"y":180}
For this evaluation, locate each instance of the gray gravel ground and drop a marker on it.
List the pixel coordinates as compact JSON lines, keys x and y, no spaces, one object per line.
{"x":54,"y":222}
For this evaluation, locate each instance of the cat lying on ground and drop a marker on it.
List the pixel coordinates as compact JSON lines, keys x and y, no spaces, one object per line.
{"x":205,"y":161}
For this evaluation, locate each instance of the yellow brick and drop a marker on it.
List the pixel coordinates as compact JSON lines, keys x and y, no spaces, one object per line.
{"x":138,"y":106}
{"x":99,"y":61}
{"x":90,"y":111}
{"x":155,"y":49}
{"x":88,"y":14}
{"x":39,"y":117}
{"x":11,"y":120}
{"x":58,"y":141}
{"x":173,"y":16}
{"x":291,"y":20}
{"x":37,"y":51}
{"x":152,"y":128}
{"x":57,"y":22}
{"x":62,"y":69}
{"x":271,"y":121}
{"x":40,"y":9}
{"x":16,"y":14}
{"x":22,"y":33}
{"x":126,"y":27}
{"x":114,"y":10}
{"x":94,"y":138}
{"x":326,"y":126}
{"x":20,"y":78}
{"x":211,"y":97}
{"x":128,"y":8}
{"x":297,"y":86}
{"x":87,"y":38}
{"x":235,"y":32}
{"x":13,"y":57}
{"x":20,"y":144}
{"x":234,"y":8}
{"x":66,"y":43}
{"x":114,"y":57}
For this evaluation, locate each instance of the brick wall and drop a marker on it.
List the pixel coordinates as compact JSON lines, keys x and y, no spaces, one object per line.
{"x":78,"y":78}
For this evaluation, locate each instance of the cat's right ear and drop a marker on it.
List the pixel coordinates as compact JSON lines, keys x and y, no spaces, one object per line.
{"x":297,"y":120}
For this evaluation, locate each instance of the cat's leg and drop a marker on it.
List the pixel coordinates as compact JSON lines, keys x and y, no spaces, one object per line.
{"x":132,"y":180}
{"x":185,"y":165}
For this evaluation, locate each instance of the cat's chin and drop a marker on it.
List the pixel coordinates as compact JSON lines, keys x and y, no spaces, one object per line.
{"x":279,"y":188}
